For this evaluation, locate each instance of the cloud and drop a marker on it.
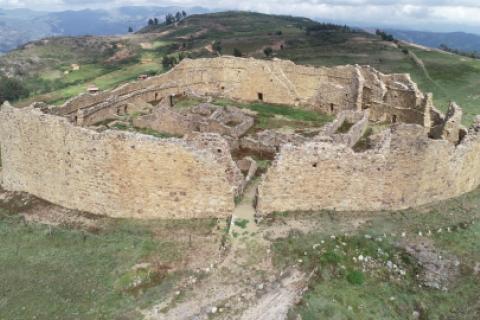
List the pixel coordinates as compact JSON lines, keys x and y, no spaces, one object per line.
{"x":423,"y":14}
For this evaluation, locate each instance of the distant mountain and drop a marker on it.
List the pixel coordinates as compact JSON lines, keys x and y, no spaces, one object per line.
{"x":19,"y":26}
{"x":462,"y":41}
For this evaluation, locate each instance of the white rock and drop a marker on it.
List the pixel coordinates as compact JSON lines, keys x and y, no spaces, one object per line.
{"x":360,"y":258}
{"x":214,"y":310}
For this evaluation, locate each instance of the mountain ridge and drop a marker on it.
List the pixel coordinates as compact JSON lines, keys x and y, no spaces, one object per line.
{"x":462,"y":41}
{"x":20,"y":26}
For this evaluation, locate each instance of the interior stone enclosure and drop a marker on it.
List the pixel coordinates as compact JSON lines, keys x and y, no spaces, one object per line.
{"x":388,"y":148}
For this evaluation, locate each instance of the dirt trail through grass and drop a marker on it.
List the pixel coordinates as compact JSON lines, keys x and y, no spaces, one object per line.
{"x":244,"y":285}
{"x":243,"y":217}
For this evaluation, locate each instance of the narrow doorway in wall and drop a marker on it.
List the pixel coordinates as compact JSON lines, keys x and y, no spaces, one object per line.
{"x":332,"y":107}
{"x":171,"y":100}
{"x":260,"y":96}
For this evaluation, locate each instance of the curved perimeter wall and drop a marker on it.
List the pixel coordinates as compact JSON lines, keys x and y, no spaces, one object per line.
{"x":113,"y":173}
{"x":408,"y":170}
{"x":322,"y":89}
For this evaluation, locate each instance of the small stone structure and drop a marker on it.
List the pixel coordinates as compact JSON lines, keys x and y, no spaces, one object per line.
{"x":68,"y":156}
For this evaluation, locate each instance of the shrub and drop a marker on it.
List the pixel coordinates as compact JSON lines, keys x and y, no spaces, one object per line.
{"x":268,"y":51}
{"x":237,"y":52}
{"x":11,"y":90}
{"x":217,"y":46}
{"x":356,"y":277}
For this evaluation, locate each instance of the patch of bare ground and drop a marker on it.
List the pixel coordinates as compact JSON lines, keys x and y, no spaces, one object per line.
{"x":277,"y":45}
{"x":35,"y":210}
{"x":244,"y":286}
{"x":438,"y":268}
{"x":121,"y":55}
{"x":194,"y":34}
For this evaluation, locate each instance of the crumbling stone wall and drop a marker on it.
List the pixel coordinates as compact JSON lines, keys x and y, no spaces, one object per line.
{"x":391,"y":97}
{"x":115,"y":173}
{"x":408,"y":169}
{"x":426,"y":156}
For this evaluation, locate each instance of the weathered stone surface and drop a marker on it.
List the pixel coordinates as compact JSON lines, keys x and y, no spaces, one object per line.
{"x":408,"y":170}
{"x":114,"y":173}
{"x":390,"y":97}
{"x":424,"y":157}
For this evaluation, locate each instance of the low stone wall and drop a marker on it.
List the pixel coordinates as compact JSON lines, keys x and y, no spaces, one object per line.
{"x":408,"y":170}
{"x":114,"y":173}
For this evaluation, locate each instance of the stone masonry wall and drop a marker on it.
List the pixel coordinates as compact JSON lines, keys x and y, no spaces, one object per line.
{"x":408,"y":170}
{"x":323,"y":89}
{"x":114,"y":173}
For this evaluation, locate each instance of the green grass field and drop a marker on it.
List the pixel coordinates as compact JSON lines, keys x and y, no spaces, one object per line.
{"x":64,"y":273}
{"x":343,"y":288}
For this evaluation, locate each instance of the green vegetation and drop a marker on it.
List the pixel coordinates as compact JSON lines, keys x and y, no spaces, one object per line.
{"x":237,"y":52}
{"x":157,"y":134}
{"x":345,"y":127}
{"x":11,"y":90}
{"x":62,"y":273}
{"x":276,"y":115}
{"x":268,"y":51}
{"x":385,"y":36}
{"x":147,"y":131}
{"x":241,"y":223}
{"x":365,"y":272}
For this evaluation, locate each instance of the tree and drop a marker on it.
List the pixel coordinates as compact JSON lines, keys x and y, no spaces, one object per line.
{"x":184,"y":14}
{"x":217,"y":46}
{"x":169,"y":19}
{"x":385,"y":36}
{"x":178,"y":16}
{"x":237,"y":52}
{"x":169,"y":62}
{"x":130,"y":29}
{"x":155,"y":21}
{"x":11,"y":90}
{"x":150,"y":22}
{"x":268,"y":51}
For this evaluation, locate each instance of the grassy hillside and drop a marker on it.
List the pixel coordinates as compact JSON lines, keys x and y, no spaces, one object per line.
{"x":109,"y":61}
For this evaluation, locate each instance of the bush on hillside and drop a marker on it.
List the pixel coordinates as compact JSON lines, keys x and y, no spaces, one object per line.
{"x":11,"y":90}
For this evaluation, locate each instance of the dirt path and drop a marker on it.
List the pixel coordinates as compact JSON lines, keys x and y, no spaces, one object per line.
{"x":419,"y":62}
{"x":243,"y":286}
{"x":243,"y":217}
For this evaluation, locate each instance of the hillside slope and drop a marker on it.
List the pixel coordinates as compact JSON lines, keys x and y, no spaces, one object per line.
{"x":466,"y":42}
{"x":109,"y":61}
{"x":19,"y":26}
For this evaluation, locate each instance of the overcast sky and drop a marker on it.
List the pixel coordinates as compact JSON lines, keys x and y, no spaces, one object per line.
{"x":435,"y":15}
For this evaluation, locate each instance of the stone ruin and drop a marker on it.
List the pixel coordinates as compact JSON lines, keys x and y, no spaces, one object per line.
{"x":388,"y":148}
